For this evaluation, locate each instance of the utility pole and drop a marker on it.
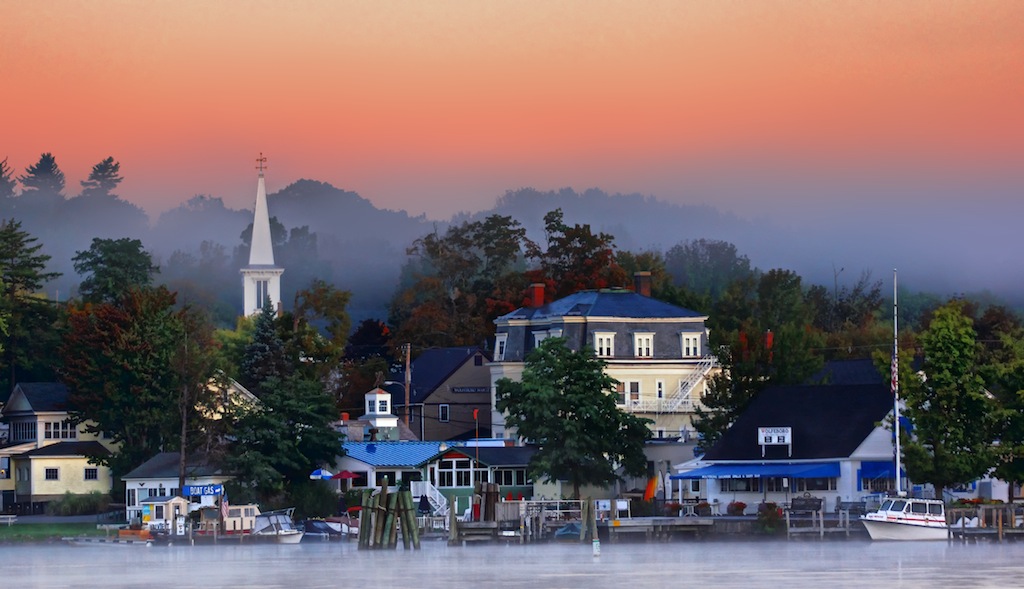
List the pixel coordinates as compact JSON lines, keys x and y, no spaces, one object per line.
{"x":408,"y":378}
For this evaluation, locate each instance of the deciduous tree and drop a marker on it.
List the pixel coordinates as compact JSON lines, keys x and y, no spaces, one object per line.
{"x":113,"y":267}
{"x":955,"y":424}
{"x":122,"y":366}
{"x":565,"y":404}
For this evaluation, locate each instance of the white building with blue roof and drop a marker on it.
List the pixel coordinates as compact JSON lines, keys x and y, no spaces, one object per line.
{"x":657,"y":351}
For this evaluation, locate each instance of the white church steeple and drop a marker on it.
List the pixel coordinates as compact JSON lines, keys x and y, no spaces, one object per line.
{"x":261,"y":279}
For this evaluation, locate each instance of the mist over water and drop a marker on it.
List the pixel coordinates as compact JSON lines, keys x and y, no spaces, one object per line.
{"x":718,"y":564}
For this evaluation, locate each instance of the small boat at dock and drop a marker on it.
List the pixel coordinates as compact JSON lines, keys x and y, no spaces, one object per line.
{"x":907,"y":518}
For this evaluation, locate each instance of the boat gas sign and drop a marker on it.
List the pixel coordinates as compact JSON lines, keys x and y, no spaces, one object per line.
{"x":200,"y":490}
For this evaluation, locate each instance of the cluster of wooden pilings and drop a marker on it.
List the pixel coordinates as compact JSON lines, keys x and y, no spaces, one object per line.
{"x":383,"y":516}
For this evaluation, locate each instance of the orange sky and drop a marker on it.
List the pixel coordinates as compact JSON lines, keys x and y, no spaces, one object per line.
{"x":439,"y":106}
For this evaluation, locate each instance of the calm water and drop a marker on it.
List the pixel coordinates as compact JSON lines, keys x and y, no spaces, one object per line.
{"x":718,"y":565}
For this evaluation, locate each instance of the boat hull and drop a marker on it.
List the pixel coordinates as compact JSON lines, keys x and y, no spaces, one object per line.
{"x":289,"y":537}
{"x":897,"y":530}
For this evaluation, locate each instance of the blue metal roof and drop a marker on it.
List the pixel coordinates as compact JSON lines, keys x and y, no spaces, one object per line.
{"x":796,"y":470}
{"x":391,"y":453}
{"x":604,"y":303}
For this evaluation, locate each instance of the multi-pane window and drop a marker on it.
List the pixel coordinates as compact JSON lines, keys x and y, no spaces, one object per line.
{"x":132,"y":499}
{"x":458,"y":473}
{"x":539,"y":336}
{"x":816,"y":484}
{"x":382,"y":406}
{"x":52,"y":474}
{"x":633,"y":390}
{"x":92,"y":474}
{"x":739,"y":485}
{"x":443,"y":413}
{"x":659,"y":388}
{"x":643,"y":345}
{"x":59,"y":430}
{"x":604,"y":344}
{"x":691,"y":345}
{"x":510,"y":477}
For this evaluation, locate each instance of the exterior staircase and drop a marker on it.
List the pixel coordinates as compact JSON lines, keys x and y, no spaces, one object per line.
{"x":678,"y":401}
{"x":438,"y":502}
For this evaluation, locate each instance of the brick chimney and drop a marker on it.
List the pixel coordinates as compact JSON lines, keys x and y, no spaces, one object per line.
{"x":537,"y":294}
{"x":642,"y":283}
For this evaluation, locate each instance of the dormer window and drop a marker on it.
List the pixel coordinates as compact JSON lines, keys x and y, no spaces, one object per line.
{"x":691,"y":345}
{"x":643,"y":345}
{"x":604,"y":344}
{"x":539,"y":336}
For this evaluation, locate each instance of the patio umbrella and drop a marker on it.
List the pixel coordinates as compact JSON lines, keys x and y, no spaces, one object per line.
{"x":345,"y":474}
{"x":321,"y":473}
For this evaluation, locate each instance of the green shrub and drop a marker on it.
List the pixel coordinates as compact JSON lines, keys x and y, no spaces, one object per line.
{"x":769,"y":517}
{"x":79,"y":504}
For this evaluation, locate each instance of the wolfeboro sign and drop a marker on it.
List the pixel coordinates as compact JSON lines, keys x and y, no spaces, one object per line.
{"x":199,"y":490}
{"x":775,"y":436}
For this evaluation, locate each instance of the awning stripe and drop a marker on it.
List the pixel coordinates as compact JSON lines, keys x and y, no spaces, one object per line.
{"x":797,"y":470}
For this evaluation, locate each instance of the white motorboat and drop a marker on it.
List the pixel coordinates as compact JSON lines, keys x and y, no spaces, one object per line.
{"x":907,"y":518}
{"x":277,"y":526}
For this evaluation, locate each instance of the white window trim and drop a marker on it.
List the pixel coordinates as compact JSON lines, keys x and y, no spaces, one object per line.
{"x":639,"y":347}
{"x":604,"y":336}
{"x":691,"y":337}
{"x":539,"y":336}
{"x":444,"y":413}
{"x":500,"y":343}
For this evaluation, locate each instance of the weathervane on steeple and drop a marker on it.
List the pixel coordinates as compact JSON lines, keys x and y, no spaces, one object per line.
{"x":261,"y":163}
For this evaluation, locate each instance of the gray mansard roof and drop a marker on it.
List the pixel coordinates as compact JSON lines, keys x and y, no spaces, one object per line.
{"x":616,"y":302}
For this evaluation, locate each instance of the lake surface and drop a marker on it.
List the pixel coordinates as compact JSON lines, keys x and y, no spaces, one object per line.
{"x":706,"y":564}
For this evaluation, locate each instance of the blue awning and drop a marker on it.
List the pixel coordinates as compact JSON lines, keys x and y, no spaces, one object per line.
{"x":796,"y":470}
{"x":880,"y":469}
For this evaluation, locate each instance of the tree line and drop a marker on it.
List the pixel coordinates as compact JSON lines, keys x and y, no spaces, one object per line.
{"x":767,"y":327}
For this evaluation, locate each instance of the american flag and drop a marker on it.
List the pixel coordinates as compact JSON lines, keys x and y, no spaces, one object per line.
{"x":895,"y":373}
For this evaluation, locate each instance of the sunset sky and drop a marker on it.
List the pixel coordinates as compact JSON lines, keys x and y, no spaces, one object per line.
{"x":439,"y":106}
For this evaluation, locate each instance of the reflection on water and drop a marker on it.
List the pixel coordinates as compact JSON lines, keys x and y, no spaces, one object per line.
{"x":718,"y":565}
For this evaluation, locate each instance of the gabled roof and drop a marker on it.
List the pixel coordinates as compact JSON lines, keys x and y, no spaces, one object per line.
{"x":827,"y":422}
{"x":848,"y":372}
{"x":407,"y":454}
{"x":70,"y":449}
{"x":611,"y":302}
{"x":430,"y":369}
{"x":40,"y":397}
{"x":497,"y":456}
{"x":165,"y":466}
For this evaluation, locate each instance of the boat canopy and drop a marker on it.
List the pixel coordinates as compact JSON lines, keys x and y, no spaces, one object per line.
{"x":796,"y":470}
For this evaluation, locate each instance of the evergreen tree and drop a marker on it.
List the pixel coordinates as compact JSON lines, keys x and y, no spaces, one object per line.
{"x":7,"y":183}
{"x":565,"y":404}
{"x":103,"y":179}
{"x":43,"y":178}
{"x":32,"y":335}
{"x":264,"y":356}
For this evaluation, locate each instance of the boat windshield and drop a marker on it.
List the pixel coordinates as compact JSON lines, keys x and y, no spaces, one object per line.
{"x":886,"y":505}
{"x":898,"y":505}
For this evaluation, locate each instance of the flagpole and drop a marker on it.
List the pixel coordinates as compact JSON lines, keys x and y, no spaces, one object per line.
{"x":896,"y":383}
